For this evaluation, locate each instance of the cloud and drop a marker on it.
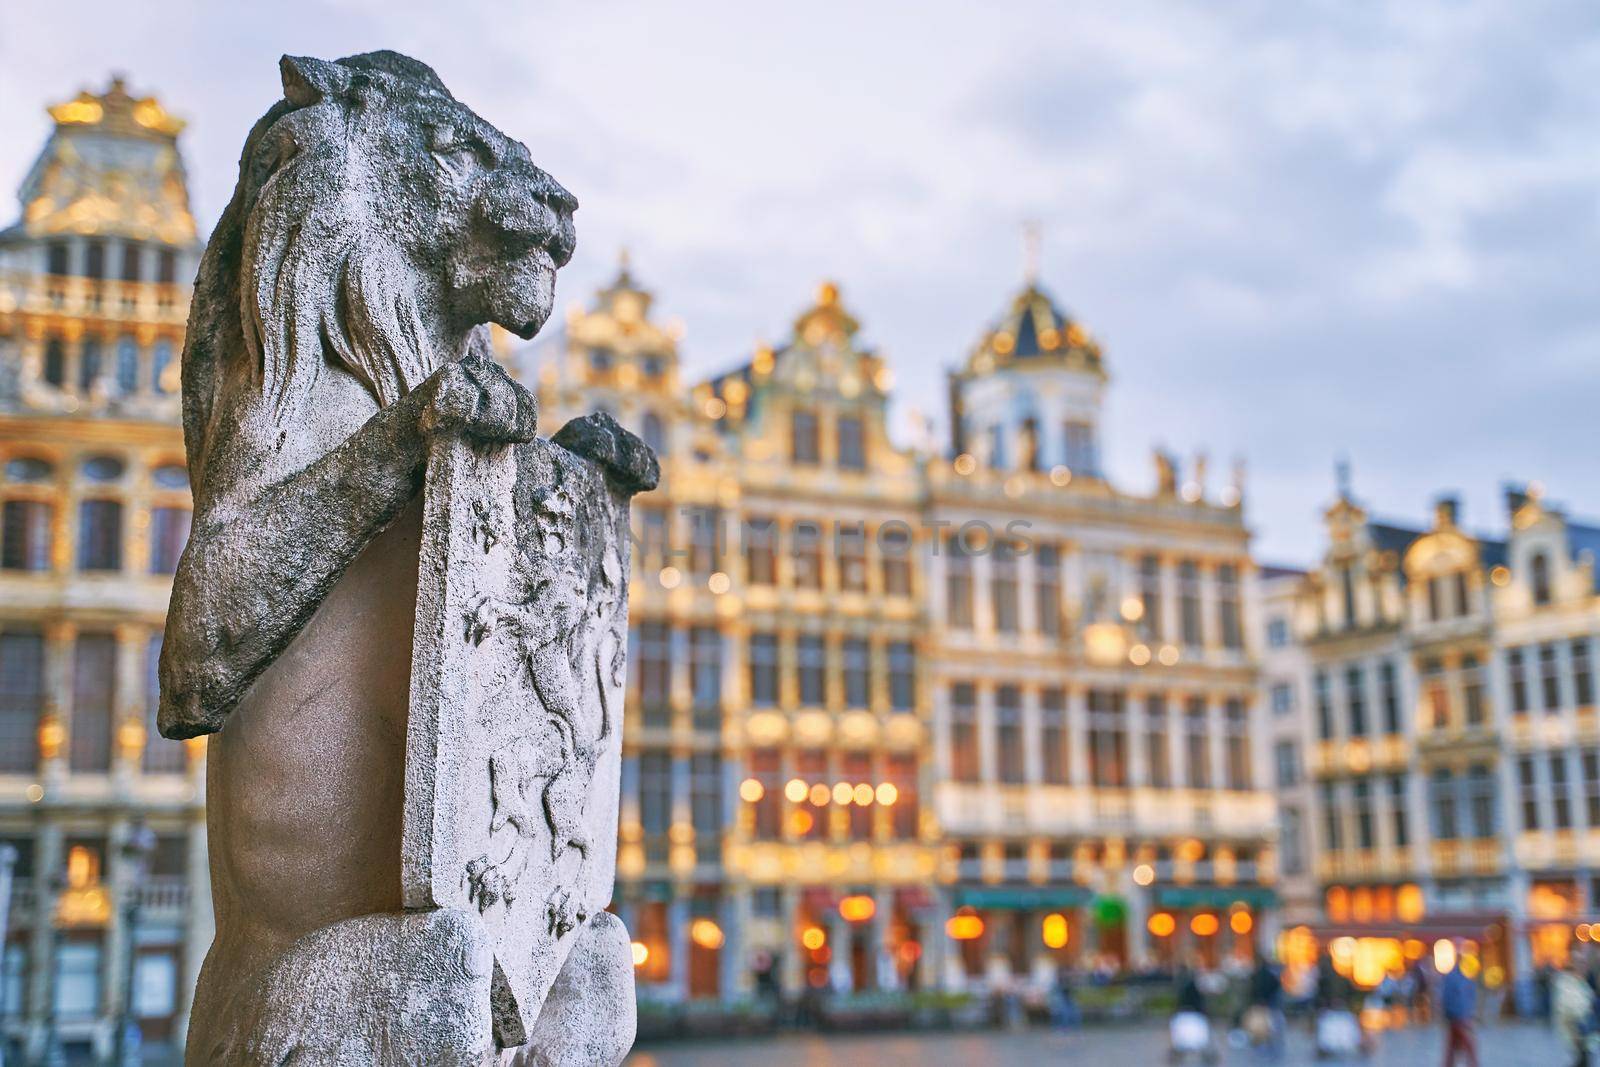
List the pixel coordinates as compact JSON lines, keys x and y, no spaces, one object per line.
{"x":1301,"y":230}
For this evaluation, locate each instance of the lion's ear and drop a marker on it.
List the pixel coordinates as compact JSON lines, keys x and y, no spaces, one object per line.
{"x":308,"y":81}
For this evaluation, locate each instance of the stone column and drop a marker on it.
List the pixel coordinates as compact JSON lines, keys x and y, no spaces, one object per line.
{"x":55,"y":728}
{"x":118,"y":879}
{"x":129,"y":703}
{"x":791,"y":960}
{"x":48,"y":860}
{"x":734,"y":964}
{"x":678,"y":920}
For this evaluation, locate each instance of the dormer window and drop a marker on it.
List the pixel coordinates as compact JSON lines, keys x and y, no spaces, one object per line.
{"x":804,"y":442}
{"x":1539,"y":572}
{"x":852,"y":446}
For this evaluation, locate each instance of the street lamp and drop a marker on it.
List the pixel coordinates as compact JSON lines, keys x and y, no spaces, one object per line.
{"x":136,"y":850}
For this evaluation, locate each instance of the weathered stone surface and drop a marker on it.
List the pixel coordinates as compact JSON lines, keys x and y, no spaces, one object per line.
{"x":412,"y":797}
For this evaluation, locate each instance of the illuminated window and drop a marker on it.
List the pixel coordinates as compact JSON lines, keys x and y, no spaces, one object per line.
{"x":813,"y":663}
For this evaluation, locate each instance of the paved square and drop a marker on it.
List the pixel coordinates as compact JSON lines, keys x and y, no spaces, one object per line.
{"x":1142,"y":1046}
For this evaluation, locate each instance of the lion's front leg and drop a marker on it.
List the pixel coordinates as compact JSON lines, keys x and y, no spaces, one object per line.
{"x":589,"y":1018}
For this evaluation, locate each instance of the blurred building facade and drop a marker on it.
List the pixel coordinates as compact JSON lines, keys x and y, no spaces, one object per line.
{"x":1443,"y":688}
{"x":106,"y":819}
{"x":932,"y":719}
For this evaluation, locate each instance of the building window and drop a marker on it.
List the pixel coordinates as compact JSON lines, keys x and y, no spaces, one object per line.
{"x":1591,"y":787}
{"x":1389,"y":694}
{"x":1008,"y":734}
{"x":1286,"y":755}
{"x":1515,"y":669}
{"x":1157,"y":745}
{"x":905,"y":815}
{"x":1003,"y":586}
{"x":813,"y":663}
{"x":1150,"y":598}
{"x":764,"y":670}
{"x":1361,"y":802}
{"x":1539,"y":565}
{"x":964,"y":732}
{"x":760,"y":551}
{"x":56,"y":258}
{"x":957,"y":584}
{"x":1053,"y":738}
{"x":77,"y":984}
{"x":655,"y":673}
{"x":54,"y":370}
{"x":856,"y":768}
{"x":894,"y":551}
{"x":1031,"y":457}
{"x":857,"y":672}
{"x":765,"y":768}
{"x":1277,"y":633}
{"x":1189,"y":602}
{"x":705,"y":667}
{"x":1282,"y":698}
{"x":705,"y":805}
{"x":161,"y":755}
{"x":1435,"y":694}
{"x":902,"y":676}
{"x":25,"y":535}
{"x":88,"y":364}
{"x":1355,"y":695}
{"x":655,"y":801}
{"x":850,"y":554}
{"x":1481,"y":802}
{"x":803,"y":437}
{"x":127,"y":365}
{"x":1332,"y":819}
{"x":653,"y":433}
{"x":1549,"y":677}
{"x":1047,"y":588}
{"x":1442,"y":800}
{"x":130,"y":261}
{"x":1435,"y":599}
{"x":21,"y":700}
{"x":1463,"y":594}
{"x":998,"y":457}
{"x":805,"y":555}
{"x":167,"y":267}
{"x":705,"y":541}
{"x":160,"y":359}
{"x":1197,"y":744}
{"x":1324,"y":701}
{"x":94,"y":260}
{"x":1560,"y":794}
{"x":852,"y":443}
{"x":100,"y":535}
{"x":1528,"y":780}
{"x":1081,"y":455}
{"x":94,"y":667}
{"x":1399,"y":818}
{"x":1228,"y":606}
{"x":1472,"y":690}
{"x":1236,"y":726}
{"x":1582,"y":673}
{"x":1108,"y":739}
{"x":169,"y":532}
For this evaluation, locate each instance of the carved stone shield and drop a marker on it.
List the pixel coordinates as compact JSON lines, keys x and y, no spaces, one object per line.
{"x":514,"y":738}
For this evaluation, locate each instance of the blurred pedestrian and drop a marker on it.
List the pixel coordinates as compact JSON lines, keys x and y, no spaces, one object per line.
{"x":1263,"y":1019}
{"x":1458,"y":1003}
{"x":1572,"y":1011}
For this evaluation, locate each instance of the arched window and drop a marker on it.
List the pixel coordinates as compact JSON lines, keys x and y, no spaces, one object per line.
{"x":26,"y":521}
{"x":100,"y":518}
{"x":1539,"y":571}
{"x":650,"y":429}
{"x":127,"y":365}
{"x":88,"y":364}
{"x":160,"y":357}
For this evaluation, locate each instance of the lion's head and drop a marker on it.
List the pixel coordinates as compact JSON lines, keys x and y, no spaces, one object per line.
{"x":377,"y":220}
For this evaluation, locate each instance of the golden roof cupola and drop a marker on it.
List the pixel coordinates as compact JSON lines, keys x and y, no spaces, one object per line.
{"x":1029,"y":395}
{"x":111,"y":168}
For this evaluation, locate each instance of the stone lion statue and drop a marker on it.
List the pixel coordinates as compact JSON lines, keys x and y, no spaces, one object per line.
{"x":337,"y":332}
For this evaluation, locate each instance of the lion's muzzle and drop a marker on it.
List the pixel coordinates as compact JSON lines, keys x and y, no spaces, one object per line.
{"x":529,"y":208}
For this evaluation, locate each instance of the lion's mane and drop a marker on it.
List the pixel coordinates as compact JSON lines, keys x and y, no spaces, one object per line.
{"x":296,"y":274}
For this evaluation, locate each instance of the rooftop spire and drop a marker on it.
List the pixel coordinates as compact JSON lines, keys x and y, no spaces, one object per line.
{"x":1032,"y":240}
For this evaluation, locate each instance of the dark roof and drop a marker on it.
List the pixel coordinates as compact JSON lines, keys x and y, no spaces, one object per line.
{"x":1275,"y":570}
{"x":1390,"y":538}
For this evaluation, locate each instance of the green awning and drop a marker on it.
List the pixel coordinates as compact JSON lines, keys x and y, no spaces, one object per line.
{"x":1255,"y":897}
{"x":1021,"y":898}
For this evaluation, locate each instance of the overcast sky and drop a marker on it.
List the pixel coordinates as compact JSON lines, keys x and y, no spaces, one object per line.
{"x":1300,"y":229}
